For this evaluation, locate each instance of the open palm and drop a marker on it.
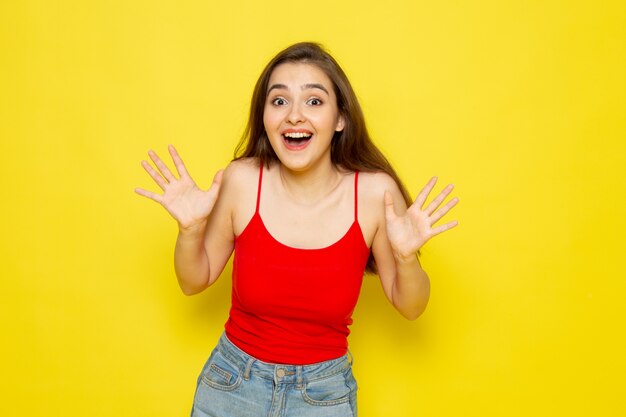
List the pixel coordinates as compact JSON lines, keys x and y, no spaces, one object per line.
{"x":181,"y":197}
{"x":410,"y":231}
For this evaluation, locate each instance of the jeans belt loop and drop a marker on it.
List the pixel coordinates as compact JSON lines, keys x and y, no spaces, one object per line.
{"x":299,"y":381}
{"x":246,"y":372}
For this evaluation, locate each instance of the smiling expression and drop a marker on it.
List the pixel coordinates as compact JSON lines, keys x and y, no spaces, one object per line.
{"x":301,"y":115}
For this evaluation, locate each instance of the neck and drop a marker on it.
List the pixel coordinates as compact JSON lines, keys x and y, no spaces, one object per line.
{"x":311,"y":185}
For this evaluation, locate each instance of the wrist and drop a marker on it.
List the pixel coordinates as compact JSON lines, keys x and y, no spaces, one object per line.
{"x":192,"y":229}
{"x":405,"y":258}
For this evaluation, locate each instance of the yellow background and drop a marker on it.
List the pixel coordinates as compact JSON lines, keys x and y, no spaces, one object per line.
{"x":520,"y":104}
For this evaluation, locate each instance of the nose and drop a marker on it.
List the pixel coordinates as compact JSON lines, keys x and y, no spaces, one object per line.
{"x":295,"y":115}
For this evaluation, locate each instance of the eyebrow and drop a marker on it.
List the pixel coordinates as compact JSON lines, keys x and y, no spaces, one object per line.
{"x":303,"y":87}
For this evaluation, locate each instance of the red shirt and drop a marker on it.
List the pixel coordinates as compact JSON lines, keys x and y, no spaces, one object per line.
{"x":290,"y":305}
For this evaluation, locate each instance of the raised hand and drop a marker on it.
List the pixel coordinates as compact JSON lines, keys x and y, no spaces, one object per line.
{"x":410,"y":231}
{"x":187,"y":204}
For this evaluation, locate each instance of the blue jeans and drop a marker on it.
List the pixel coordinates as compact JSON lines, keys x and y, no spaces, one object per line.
{"x":235,"y":384}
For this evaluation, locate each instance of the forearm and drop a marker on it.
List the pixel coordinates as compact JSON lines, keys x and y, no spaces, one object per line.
{"x":411,"y":288}
{"x":190,"y":260}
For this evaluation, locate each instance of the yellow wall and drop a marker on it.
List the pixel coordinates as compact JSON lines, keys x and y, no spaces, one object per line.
{"x":521,"y":104}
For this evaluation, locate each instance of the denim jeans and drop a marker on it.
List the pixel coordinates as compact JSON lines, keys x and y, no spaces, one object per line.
{"x":235,"y":384}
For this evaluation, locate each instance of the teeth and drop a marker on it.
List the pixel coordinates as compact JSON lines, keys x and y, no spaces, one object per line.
{"x":297,"y":135}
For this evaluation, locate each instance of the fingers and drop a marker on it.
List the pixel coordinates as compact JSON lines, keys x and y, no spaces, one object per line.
{"x":390,"y":213}
{"x":214,"y":189}
{"x":444,"y":227}
{"x":161,"y":166}
{"x":163,"y":170}
{"x":433,"y":211}
{"x":421,"y":197}
{"x":217,"y":182}
{"x":178,"y":162}
{"x":443,"y":210}
{"x":149,"y":194}
{"x":155,"y":175}
{"x":217,"y":179}
{"x":439,"y":199}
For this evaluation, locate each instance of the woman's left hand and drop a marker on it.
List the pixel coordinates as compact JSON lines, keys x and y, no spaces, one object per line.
{"x":410,"y":231}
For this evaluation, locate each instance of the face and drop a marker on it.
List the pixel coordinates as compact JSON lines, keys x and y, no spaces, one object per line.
{"x":301,"y":115}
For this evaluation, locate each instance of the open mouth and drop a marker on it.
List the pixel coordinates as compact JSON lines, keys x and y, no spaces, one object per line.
{"x":297,"y":140}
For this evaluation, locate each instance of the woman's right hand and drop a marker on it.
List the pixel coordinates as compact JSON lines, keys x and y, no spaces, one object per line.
{"x":187,"y":204}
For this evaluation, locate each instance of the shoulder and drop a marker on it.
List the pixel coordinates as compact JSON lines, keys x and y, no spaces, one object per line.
{"x":240,"y":179}
{"x":242,"y":168}
{"x":372,"y":187}
{"x":239,"y":192}
{"x":374,"y":184}
{"x":240,"y":174}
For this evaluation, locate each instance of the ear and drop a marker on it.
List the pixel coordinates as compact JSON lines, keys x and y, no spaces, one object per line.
{"x":341,"y":123}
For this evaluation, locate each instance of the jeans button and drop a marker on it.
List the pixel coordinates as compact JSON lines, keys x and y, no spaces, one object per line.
{"x":280,"y":373}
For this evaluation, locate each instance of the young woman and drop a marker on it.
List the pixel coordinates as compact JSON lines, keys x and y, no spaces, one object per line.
{"x":308,"y":204}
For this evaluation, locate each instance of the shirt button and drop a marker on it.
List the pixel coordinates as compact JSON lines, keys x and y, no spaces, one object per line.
{"x":280,"y":373}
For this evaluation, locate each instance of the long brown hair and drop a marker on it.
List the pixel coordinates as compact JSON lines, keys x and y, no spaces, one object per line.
{"x":351,"y":149}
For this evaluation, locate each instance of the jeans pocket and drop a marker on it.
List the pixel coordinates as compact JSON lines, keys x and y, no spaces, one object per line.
{"x":335,"y":389}
{"x":220,"y":373}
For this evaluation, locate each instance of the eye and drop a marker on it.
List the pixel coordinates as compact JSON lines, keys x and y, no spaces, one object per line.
{"x":279,"y":101}
{"x":315,"y":102}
